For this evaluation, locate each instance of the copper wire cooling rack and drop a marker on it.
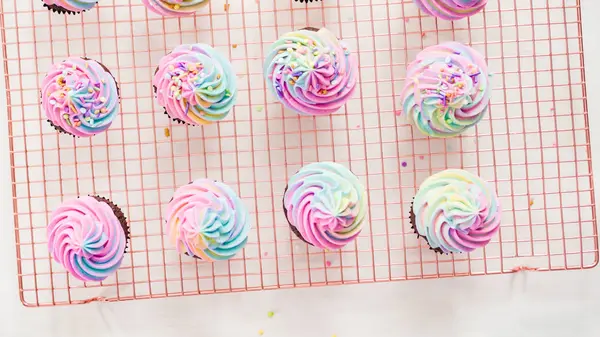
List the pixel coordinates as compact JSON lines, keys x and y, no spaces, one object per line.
{"x":533,"y":146}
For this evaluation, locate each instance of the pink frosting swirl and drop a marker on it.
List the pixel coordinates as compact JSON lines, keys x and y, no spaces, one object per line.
{"x":80,"y":97}
{"x":311,"y":72}
{"x":451,"y":9}
{"x":87,"y":238}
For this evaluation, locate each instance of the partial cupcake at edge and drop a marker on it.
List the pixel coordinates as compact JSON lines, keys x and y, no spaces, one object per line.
{"x":175,"y":8}
{"x":80,"y":97}
{"x":311,"y":71}
{"x":88,"y":236}
{"x":206,"y":220}
{"x":455,"y":211}
{"x":325,"y":205}
{"x":195,"y":84}
{"x":69,"y":6}
{"x":447,"y":90}
{"x":451,"y":9}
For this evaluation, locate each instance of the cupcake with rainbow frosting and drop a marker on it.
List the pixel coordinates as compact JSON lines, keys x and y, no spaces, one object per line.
{"x":325,"y":205}
{"x":455,"y":211}
{"x":451,"y":9}
{"x":195,"y":84}
{"x":88,"y":236}
{"x":447,"y":90}
{"x":174,"y":8}
{"x":80,"y":97}
{"x":311,"y":71}
{"x":205,"y":219}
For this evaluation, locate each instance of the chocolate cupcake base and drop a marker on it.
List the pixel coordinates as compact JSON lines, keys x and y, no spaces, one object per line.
{"x":414,"y":228}
{"x":119,"y":214}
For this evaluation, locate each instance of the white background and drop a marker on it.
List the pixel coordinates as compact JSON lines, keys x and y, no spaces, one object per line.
{"x":522,"y":304}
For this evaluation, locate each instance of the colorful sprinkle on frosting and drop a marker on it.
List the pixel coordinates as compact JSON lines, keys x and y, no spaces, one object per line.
{"x":451,"y":9}
{"x":79,"y":96}
{"x":174,"y":7}
{"x":74,"y":6}
{"x":456,"y":211}
{"x":87,"y":238}
{"x":311,"y":72}
{"x":207,"y":220}
{"x":446,"y":90}
{"x":195,"y":84}
{"x":325,"y":205}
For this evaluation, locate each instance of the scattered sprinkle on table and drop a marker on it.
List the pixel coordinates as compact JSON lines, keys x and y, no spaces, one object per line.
{"x":226,"y":7}
{"x":404,"y":164}
{"x":358,"y":126}
{"x":421,"y":157}
{"x":259,"y":108}
{"x":261,"y":332}
{"x":270,"y":314}
{"x":234,"y":45}
{"x":328,"y":263}
{"x":406,"y":19}
{"x":423,"y":34}
{"x":266,"y":254}
{"x":167,"y":132}
{"x":531,"y":202}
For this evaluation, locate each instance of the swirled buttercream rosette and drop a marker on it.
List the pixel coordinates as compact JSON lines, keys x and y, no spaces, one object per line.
{"x":88,"y":236}
{"x":325,"y":205}
{"x":455,"y":211}
{"x":311,"y":71}
{"x":195,"y":84}
{"x":207,"y":220}
{"x":80,"y":97}
{"x":447,"y":90}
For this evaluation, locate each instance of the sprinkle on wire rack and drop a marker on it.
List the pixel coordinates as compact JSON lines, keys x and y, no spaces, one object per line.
{"x":539,"y":100}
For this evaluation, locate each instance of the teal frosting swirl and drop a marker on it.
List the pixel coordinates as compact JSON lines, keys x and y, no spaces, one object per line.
{"x":456,"y":211}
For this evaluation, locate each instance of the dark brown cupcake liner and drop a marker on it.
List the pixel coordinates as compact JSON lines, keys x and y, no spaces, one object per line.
{"x":59,"y":128}
{"x":60,"y":10}
{"x":120,"y":215}
{"x":414,"y":228}
{"x":312,"y":29}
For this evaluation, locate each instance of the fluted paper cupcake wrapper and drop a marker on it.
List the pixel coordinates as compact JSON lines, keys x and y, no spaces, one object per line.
{"x":60,"y":10}
{"x":414,"y":228}
{"x":120,"y":215}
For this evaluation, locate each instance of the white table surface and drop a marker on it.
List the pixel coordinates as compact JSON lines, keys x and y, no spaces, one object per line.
{"x":523,"y":304}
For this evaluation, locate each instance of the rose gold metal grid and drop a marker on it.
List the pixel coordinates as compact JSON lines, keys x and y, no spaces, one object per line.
{"x":533,"y":145}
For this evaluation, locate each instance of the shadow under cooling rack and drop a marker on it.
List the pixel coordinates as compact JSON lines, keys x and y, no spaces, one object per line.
{"x":533,"y":145}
